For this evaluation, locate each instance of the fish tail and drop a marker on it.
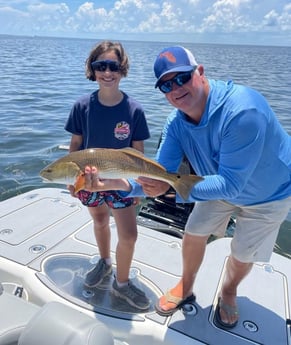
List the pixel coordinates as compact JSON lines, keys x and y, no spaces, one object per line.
{"x":184,"y":184}
{"x":80,"y":183}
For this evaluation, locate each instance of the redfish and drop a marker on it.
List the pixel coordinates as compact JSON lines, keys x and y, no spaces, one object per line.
{"x":113,"y":164}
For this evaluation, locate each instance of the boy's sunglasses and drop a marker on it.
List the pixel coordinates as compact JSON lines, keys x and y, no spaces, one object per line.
{"x":101,"y":65}
{"x":179,"y":79}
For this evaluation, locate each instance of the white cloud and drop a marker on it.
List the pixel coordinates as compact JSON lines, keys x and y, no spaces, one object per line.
{"x":145,"y":18}
{"x":285,"y":18}
{"x":271,"y":18}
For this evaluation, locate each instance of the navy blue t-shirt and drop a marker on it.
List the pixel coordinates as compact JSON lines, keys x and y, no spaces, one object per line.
{"x":107,"y":126}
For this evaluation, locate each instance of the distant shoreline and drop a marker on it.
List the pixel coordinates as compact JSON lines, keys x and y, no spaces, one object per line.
{"x":142,"y":40}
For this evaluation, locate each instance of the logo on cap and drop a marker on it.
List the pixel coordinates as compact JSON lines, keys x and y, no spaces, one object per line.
{"x":169,"y":56}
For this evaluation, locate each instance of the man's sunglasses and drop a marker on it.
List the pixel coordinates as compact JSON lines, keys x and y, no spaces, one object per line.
{"x":179,"y":79}
{"x":101,"y":65}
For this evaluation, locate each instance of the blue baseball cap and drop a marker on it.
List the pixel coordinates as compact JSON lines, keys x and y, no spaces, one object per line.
{"x":173,"y":59}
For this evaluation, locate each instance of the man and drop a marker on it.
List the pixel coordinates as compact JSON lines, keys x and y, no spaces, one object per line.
{"x":232,"y":138}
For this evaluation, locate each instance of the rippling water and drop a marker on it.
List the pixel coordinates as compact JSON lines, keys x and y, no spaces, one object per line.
{"x":42,"y":77}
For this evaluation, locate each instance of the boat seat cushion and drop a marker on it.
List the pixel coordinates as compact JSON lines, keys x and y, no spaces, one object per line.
{"x":14,"y":316}
{"x":59,"y":324}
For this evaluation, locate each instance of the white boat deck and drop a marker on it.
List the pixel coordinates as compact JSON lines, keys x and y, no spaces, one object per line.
{"x":47,"y":245}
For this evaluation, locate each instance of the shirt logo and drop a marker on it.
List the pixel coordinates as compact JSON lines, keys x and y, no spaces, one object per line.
{"x":122,"y":130}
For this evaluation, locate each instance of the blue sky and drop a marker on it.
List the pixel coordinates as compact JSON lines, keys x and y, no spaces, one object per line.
{"x":266,"y":22}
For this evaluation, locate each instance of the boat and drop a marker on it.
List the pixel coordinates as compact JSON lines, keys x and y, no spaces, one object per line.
{"x":47,"y":246}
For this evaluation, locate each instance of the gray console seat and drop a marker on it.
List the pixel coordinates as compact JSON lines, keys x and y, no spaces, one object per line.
{"x":15,"y":313}
{"x":23,"y":323}
{"x":59,"y":324}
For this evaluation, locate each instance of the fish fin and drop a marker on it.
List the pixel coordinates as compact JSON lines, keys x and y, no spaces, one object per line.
{"x":184,"y":184}
{"x":133,"y":152}
{"x":80,"y":183}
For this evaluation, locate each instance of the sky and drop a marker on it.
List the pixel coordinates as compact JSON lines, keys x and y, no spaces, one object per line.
{"x":259,"y":22}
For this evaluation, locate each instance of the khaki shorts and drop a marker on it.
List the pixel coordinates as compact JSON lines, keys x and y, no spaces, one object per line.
{"x":256,"y":228}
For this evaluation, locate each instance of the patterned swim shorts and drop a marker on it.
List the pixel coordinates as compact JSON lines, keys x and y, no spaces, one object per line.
{"x":112,"y":199}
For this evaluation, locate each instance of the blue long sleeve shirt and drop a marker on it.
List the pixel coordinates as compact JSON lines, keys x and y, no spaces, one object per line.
{"x":239,"y":147}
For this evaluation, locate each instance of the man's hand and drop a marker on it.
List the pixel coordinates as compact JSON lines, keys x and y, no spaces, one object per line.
{"x":153,"y":188}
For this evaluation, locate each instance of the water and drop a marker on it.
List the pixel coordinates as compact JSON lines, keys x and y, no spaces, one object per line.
{"x":42,"y":77}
